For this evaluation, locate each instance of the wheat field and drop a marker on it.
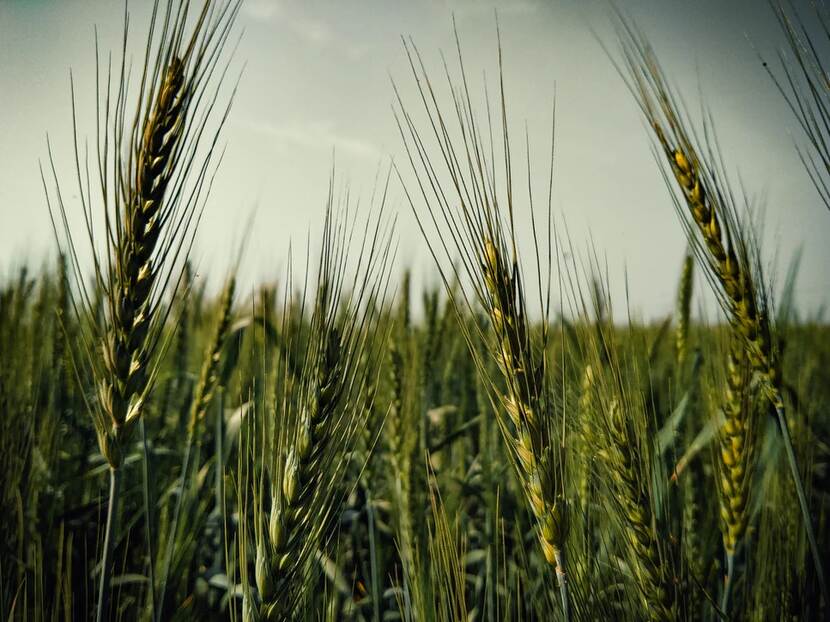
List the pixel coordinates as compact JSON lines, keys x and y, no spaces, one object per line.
{"x":510,"y":443}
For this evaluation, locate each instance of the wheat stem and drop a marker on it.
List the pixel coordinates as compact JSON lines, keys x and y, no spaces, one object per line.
{"x":208,"y":384}
{"x":563,"y":584}
{"x":802,"y":501}
{"x":728,"y":581}
{"x":109,"y":543}
{"x":148,"y":495}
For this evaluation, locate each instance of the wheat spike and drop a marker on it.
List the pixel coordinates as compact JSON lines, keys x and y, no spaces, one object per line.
{"x":399,"y":442}
{"x":476,"y":206}
{"x":684,"y":305}
{"x":738,"y":442}
{"x":208,"y":377}
{"x":123,"y":391}
{"x":733,"y":270}
{"x":721,"y":241}
{"x":632,"y":496}
{"x":149,"y":215}
{"x":304,"y":441}
{"x":521,"y":402}
{"x":299,"y":479}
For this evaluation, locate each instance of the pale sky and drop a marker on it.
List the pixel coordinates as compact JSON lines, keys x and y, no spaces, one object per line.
{"x":317,"y":81}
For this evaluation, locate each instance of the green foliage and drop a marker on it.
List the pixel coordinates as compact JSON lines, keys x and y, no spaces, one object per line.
{"x":397,"y":548}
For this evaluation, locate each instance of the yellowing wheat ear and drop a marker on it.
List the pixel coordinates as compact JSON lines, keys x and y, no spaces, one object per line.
{"x":522,"y":402}
{"x":738,"y":440}
{"x":472,"y":211}
{"x":725,"y":248}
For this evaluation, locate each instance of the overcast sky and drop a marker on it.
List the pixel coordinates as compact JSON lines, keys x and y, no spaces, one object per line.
{"x":317,"y":81}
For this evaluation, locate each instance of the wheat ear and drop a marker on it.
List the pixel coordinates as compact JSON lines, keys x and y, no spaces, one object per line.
{"x":476,"y":216}
{"x":399,"y":456}
{"x":522,"y":402}
{"x":738,"y":441}
{"x":621,"y":461}
{"x":720,"y":243}
{"x":307,"y":439}
{"x":122,"y":392}
{"x":684,"y":307}
{"x":144,"y":168}
{"x":123,"y":389}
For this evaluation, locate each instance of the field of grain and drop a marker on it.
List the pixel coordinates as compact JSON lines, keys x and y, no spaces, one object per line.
{"x":339,"y":444}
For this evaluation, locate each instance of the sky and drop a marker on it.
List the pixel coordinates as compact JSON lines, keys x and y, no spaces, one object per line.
{"x":316,"y":89}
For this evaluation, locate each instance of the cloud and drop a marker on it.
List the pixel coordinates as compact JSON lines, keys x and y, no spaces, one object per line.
{"x":356,"y":51}
{"x":316,"y":136}
{"x":312,"y":30}
{"x":261,"y":10}
{"x":507,"y":8}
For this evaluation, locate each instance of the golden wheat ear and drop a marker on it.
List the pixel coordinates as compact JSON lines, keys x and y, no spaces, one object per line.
{"x":724,"y":243}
